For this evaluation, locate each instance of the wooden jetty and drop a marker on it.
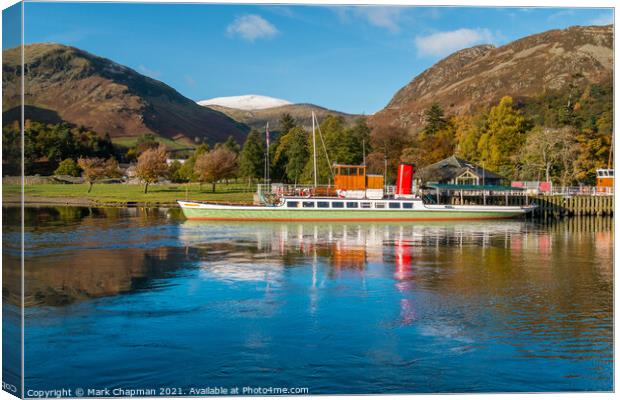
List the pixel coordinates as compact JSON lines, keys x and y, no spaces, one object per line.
{"x":557,"y":206}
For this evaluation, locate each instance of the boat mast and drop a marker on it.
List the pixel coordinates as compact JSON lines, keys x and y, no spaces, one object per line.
{"x":314,"y":148}
{"x":267,"y":163}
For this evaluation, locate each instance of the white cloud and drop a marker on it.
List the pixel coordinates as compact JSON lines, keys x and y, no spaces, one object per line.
{"x":382,"y":17}
{"x":561,"y":14}
{"x":444,"y":43}
{"x":603,"y":19}
{"x":251,"y":27}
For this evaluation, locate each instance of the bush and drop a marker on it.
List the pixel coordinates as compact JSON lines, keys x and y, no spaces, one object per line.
{"x":68,"y":166}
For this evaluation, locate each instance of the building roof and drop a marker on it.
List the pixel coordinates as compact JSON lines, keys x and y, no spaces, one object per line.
{"x":495,"y":188}
{"x":452,"y":167}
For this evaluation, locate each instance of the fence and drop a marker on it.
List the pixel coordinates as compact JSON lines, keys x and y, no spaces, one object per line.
{"x":574,"y":205}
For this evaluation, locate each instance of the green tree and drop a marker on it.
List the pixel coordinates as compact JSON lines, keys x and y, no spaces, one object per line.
{"x":252,"y":156}
{"x":232,"y":145}
{"x":329,"y":149}
{"x":174,"y":172}
{"x":186,"y":172}
{"x":296,"y":153}
{"x":287,"y":122}
{"x":434,"y":119}
{"x":68,"y":166}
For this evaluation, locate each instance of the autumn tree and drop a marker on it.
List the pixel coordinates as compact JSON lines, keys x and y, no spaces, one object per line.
{"x":594,"y":152}
{"x":387,"y":144}
{"x":152,"y":165}
{"x":215,"y":165}
{"x":95,"y":168}
{"x":499,"y":146}
{"x":431,"y":150}
{"x":550,"y":153}
{"x":467,"y":132}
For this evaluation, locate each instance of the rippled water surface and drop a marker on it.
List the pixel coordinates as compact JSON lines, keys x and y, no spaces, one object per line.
{"x":143,"y":299}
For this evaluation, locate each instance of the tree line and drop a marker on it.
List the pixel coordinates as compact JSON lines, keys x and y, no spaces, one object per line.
{"x":561,"y":137}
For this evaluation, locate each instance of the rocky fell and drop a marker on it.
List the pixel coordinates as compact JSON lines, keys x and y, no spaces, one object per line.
{"x":72,"y":85}
{"x":479,"y":76}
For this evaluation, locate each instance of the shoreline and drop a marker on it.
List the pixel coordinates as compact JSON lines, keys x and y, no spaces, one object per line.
{"x":122,"y":195}
{"x":51,"y":201}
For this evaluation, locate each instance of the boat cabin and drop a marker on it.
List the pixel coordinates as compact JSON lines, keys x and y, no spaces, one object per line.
{"x":340,"y":204}
{"x":605,"y":181}
{"x":354,"y":177}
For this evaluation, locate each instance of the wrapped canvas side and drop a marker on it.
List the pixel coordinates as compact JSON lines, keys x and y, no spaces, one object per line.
{"x":12,"y":200}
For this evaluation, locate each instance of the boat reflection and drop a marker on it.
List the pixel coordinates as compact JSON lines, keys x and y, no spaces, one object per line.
{"x":75,"y":254}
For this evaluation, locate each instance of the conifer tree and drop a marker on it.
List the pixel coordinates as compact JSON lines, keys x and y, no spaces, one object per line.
{"x":296,"y":153}
{"x":434,"y":119}
{"x":252,"y":156}
{"x":287,"y":122}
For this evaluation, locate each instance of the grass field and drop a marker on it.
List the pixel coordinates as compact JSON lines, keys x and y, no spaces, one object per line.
{"x":129,"y":141}
{"x":123,"y":194}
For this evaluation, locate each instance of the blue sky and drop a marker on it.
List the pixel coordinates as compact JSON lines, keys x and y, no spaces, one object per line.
{"x":351,"y":59}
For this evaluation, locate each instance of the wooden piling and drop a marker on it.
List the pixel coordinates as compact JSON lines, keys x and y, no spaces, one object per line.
{"x":577,"y":205}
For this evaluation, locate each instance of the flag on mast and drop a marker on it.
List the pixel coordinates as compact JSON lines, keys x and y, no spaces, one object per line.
{"x":267,"y":135}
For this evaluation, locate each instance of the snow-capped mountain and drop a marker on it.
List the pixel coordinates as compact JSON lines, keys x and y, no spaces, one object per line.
{"x":247,"y":102}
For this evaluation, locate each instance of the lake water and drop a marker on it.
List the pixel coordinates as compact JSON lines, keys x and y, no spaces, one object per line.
{"x":141,"y":298}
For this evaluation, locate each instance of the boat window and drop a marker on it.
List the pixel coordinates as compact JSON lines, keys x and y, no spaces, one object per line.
{"x":394,"y":205}
{"x":379,"y":205}
{"x":352,"y":204}
{"x":308,"y":204}
{"x":611,"y":172}
{"x":407,"y":205}
{"x":337,"y":204}
{"x":322,"y":204}
{"x":292,"y":204}
{"x":365,"y":204}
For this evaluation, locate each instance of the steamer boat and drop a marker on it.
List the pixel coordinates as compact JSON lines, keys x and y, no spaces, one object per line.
{"x":354,"y":196}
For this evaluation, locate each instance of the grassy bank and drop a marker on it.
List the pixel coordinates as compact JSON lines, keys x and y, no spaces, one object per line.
{"x":122,"y":194}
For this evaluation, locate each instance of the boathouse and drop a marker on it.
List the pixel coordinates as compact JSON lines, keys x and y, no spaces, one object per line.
{"x":456,"y":171}
{"x":457,"y":181}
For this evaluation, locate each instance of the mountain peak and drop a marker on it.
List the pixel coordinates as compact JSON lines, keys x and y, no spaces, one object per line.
{"x":246,"y":102}
{"x":106,"y":97}
{"x":528,"y":67}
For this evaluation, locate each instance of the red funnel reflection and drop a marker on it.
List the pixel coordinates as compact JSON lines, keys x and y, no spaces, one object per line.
{"x":403,"y":260}
{"x":402,"y":251}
